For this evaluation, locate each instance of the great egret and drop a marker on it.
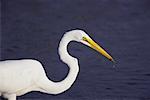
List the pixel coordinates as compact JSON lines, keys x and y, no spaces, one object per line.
{"x":18,"y":77}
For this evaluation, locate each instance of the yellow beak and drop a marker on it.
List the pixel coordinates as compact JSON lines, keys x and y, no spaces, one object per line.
{"x":96,"y":47}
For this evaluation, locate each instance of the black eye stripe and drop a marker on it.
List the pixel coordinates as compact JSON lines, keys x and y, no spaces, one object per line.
{"x":85,"y":39}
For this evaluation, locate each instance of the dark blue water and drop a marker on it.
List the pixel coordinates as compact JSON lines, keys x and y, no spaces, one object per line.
{"x":33,"y":29}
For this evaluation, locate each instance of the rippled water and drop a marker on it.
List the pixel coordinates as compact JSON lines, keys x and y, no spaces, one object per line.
{"x":32,"y":29}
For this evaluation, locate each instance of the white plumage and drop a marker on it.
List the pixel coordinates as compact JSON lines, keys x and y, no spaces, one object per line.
{"x":18,"y":77}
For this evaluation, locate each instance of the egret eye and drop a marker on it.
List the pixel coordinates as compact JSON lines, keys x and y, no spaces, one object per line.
{"x":84,"y":39}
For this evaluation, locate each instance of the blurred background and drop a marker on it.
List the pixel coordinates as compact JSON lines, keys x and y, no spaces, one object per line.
{"x":33,"y":29}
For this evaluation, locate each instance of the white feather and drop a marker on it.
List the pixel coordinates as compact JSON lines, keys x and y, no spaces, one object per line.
{"x":18,"y":77}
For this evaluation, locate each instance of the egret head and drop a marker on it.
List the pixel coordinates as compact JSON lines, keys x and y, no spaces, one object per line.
{"x":84,"y":38}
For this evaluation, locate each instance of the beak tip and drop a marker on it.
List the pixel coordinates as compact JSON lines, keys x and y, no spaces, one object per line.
{"x":112,"y":60}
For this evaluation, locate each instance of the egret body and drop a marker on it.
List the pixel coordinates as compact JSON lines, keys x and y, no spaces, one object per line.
{"x":18,"y":77}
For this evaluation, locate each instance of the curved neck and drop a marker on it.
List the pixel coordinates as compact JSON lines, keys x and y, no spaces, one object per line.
{"x":70,"y":61}
{"x":59,"y":87}
{"x":62,"y":49}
